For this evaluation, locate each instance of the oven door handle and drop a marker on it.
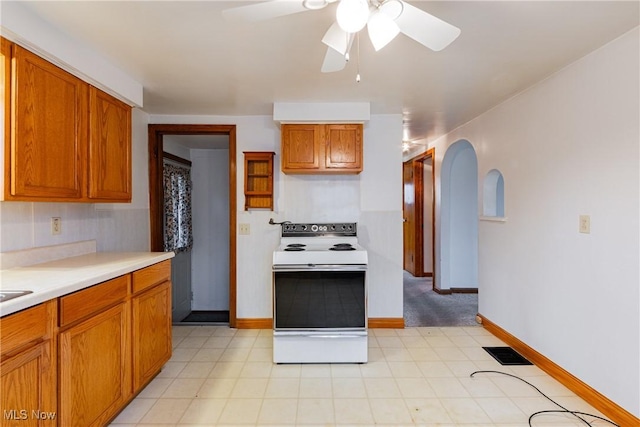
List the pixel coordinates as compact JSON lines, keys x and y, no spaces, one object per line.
{"x":335,"y":336}
{"x":320,"y":267}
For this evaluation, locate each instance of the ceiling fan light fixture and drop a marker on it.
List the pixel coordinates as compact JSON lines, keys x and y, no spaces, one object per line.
{"x":352,"y":15}
{"x":392,"y":8}
{"x":381,"y":29}
{"x":315,"y":4}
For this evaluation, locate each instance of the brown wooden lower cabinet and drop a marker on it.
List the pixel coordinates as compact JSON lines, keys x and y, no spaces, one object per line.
{"x":94,"y":371}
{"x":28,"y":395}
{"x":78,"y":360}
{"x":151,"y":333}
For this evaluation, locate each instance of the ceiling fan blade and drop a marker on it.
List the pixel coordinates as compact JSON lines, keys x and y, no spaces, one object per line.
{"x":382,"y":29}
{"x":333,"y":61}
{"x":338,"y":39}
{"x":264,"y":11}
{"x":424,"y":28}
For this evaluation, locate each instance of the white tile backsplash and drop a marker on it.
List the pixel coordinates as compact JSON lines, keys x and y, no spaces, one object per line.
{"x":78,"y":221}
{"x":26,"y":225}
{"x":16,"y":226}
{"x":123,"y":230}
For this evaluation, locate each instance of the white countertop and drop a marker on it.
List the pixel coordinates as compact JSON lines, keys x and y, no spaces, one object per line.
{"x":57,"y":278}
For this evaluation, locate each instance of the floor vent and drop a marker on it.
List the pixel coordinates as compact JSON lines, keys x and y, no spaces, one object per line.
{"x":507,"y":356}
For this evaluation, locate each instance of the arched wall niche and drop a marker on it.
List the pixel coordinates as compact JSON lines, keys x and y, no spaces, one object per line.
{"x":493,"y":194}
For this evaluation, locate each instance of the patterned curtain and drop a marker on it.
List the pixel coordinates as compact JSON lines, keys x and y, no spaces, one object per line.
{"x":178,"y":234}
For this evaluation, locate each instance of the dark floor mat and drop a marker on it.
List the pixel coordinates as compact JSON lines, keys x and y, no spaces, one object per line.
{"x":507,"y":356}
{"x":207,"y":317}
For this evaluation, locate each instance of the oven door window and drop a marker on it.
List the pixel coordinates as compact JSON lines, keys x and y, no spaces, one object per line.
{"x":316,"y":300}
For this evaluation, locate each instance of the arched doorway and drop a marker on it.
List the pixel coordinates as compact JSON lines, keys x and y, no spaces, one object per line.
{"x":459,"y":220}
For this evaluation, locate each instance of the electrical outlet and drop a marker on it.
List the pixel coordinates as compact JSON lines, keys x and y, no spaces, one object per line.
{"x":245,"y":229}
{"x":56,"y":225}
{"x":585,"y":224}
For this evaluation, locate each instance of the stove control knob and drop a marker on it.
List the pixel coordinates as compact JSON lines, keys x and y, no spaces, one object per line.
{"x":333,"y":227}
{"x":314,"y":227}
{"x":343,"y":227}
{"x":304,"y":227}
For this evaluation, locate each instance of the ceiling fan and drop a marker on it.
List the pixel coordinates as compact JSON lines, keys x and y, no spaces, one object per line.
{"x":384,"y":19}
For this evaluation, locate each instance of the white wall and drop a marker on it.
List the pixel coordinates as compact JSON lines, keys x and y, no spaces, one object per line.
{"x":373,"y":199}
{"x":210,"y":214}
{"x":19,"y":24}
{"x":568,"y":146}
{"x":172,"y":147}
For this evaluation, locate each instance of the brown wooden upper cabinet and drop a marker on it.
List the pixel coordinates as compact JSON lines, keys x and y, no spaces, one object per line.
{"x":321,"y":148}
{"x":65,"y":140}
{"x":109,"y":148}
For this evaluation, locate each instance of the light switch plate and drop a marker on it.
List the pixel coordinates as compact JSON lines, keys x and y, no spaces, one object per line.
{"x":56,"y":225}
{"x":245,"y":229}
{"x":585,"y":224}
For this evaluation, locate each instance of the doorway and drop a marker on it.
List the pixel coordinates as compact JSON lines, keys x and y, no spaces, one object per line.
{"x":156,"y":192}
{"x":459,"y":220}
{"x":419,"y":215}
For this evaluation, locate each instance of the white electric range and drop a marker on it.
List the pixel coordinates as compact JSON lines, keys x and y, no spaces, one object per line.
{"x":320,"y":295}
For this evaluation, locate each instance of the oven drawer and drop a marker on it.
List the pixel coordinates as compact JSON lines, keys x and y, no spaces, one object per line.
{"x":343,"y":347}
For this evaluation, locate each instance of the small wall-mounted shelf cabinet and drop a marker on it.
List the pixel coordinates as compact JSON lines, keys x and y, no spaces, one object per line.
{"x":258,"y":180}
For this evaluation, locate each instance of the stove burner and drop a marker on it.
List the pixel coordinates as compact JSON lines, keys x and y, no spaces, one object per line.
{"x":342,"y":247}
{"x":294,"y":249}
{"x":296,"y":245}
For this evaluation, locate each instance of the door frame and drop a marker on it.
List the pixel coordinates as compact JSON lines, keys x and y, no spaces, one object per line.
{"x":156,"y":192}
{"x":418,"y":185}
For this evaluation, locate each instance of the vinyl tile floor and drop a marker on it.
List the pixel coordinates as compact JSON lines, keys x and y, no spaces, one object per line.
{"x":219,"y":376}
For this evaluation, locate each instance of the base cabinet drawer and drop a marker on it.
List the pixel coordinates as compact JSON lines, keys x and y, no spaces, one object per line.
{"x":95,"y":375}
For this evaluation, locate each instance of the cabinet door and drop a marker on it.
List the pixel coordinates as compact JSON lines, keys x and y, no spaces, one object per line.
{"x":28,"y":388}
{"x":109,"y":148}
{"x":49,"y":139}
{"x":344,"y":147}
{"x":301,"y":147}
{"x":151,"y":333}
{"x":95,"y":368}
{"x":5,"y":109}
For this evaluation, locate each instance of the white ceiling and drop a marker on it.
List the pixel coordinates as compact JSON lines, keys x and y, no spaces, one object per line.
{"x":191,"y":61}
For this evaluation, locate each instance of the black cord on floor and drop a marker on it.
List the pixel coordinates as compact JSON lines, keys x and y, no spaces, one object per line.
{"x":562,"y":410}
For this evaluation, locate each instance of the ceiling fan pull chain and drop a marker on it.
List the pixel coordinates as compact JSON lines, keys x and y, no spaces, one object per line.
{"x":358,"y":58}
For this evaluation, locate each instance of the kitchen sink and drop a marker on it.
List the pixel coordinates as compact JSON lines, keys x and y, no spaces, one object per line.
{"x":6,"y":295}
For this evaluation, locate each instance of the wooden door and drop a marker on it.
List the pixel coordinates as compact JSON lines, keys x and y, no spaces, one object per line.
{"x":28,"y":388}
{"x":109,"y":148}
{"x":151,"y":333}
{"x":49,"y":139}
{"x":95,"y":368}
{"x":301,"y":147}
{"x":181,"y":289}
{"x":344,"y":147}
{"x":409,"y":236}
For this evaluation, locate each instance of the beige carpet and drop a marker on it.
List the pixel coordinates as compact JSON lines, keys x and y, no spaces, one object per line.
{"x":424,"y":307}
